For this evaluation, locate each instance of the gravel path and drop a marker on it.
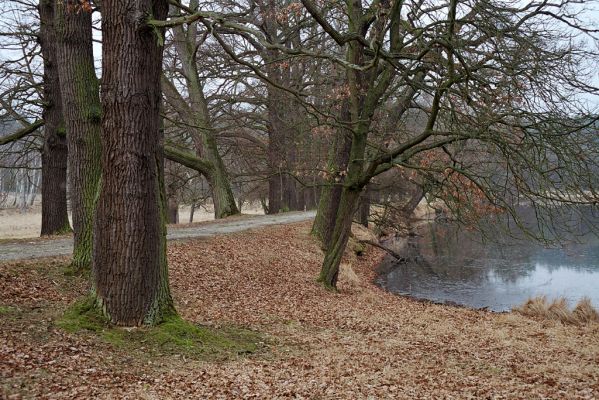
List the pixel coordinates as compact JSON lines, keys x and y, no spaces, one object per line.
{"x":21,"y":250}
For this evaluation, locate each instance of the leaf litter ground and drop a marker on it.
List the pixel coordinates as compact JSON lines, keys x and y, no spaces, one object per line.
{"x":360,"y":343}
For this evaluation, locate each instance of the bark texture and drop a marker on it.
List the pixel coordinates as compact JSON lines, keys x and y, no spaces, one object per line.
{"x":55,"y":219}
{"x":364,"y":208}
{"x":129,"y":265}
{"x":82,"y":115}
{"x":344,"y":214}
{"x":283,"y":193}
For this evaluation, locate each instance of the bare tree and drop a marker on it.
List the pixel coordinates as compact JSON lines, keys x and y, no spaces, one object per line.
{"x":497,"y":82}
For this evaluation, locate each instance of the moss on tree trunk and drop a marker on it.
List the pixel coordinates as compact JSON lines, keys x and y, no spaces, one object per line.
{"x":82,"y":116}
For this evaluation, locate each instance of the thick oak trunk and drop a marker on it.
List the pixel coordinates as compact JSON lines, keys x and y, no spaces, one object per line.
{"x":129,"y":266}
{"x":55,"y":219}
{"x":172,"y":216}
{"x":222,"y":194}
{"x":284,"y":190}
{"x":82,"y":114}
{"x":220,"y":186}
{"x":172,"y":192}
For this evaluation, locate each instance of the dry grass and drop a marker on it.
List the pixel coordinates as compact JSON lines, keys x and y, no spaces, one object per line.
{"x":347,"y":276}
{"x":559,"y":310}
{"x":585,"y":312}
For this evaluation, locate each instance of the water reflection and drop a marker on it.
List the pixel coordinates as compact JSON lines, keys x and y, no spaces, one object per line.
{"x":448,"y":264}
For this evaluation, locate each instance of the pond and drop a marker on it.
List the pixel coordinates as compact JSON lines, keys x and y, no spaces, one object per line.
{"x":448,"y":264}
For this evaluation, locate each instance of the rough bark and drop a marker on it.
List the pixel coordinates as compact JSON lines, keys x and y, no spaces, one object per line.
{"x":286,"y":122}
{"x":172,"y":216}
{"x":366,"y":89}
{"x":82,"y":115}
{"x":130,"y":271}
{"x":344,"y":217}
{"x":55,"y":218}
{"x":283,"y":191}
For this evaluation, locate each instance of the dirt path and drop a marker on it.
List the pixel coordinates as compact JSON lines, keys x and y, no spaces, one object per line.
{"x":36,"y":248}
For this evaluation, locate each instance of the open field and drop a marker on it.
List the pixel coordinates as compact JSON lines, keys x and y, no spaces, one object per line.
{"x":357,"y":344}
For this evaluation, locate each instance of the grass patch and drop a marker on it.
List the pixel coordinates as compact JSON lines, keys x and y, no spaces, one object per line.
{"x":558,"y":310}
{"x":70,"y":270}
{"x":174,"y":336}
{"x":6,"y":310}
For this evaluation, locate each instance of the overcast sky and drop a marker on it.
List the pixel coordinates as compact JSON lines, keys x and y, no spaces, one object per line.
{"x":11,"y":16}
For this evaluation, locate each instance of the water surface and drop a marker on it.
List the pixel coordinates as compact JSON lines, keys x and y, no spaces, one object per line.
{"x":450,"y":265}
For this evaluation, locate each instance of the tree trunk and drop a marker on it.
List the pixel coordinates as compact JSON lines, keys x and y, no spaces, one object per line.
{"x":191,"y":212}
{"x":172,"y":192}
{"x":222,"y":194}
{"x":284,"y":194}
{"x":129,"y":265}
{"x":417,"y":194}
{"x":82,"y":115}
{"x":55,"y":218}
{"x":330,"y":194}
{"x":172,"y":211}
{"x":34,"y":187}
{"x":344,"y":217}
{"x":364,"y":208}
{"x":204,"y":132}
{"x":24,"y":188}
{"x":275,"y":187}
{"x":285,"y":118}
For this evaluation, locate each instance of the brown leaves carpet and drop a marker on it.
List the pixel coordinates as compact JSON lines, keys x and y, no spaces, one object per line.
{"x":362,"y":343}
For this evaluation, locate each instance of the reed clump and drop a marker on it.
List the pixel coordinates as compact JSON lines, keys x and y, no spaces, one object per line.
{"x":559,"y":310}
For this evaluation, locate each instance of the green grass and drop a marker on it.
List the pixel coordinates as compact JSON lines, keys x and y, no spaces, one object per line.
{"x":5,"y":310}
{"x":173,"y":336}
